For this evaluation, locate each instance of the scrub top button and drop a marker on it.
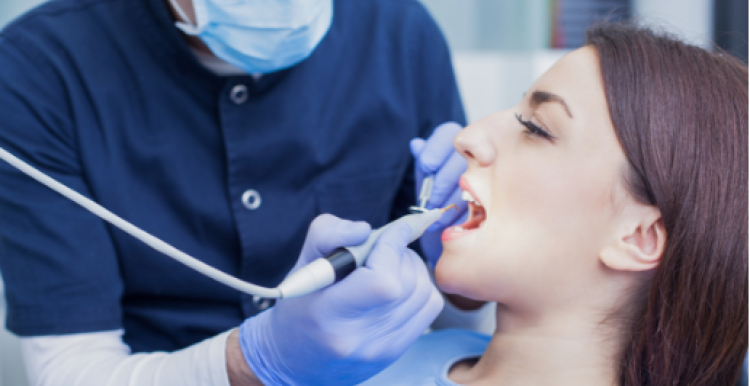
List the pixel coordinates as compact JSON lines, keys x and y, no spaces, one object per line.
{"x":238,"y":95}
{"x":251,"y":199}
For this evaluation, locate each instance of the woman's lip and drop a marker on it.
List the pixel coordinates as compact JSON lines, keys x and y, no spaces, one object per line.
{"x":463,"y":182}
{"x":451,"y":233}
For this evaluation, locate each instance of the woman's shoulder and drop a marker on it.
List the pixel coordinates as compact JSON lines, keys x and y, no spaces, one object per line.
{"x":429,"y":358}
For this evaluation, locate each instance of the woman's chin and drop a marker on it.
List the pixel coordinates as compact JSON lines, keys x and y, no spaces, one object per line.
{"x":448,"y":274}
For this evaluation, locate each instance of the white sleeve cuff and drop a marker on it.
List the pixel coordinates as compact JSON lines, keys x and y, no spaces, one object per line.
{"x":101,"y":358}
{"x":201,"y":364}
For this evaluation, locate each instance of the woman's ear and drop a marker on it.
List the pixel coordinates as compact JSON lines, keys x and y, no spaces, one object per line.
{"x":639,"y":243}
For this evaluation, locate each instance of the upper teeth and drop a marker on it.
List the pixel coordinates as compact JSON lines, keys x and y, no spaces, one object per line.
{"x":466,"y":196}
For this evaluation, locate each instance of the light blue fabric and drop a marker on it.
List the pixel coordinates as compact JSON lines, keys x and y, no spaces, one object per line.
{"x":427,"y":362}
{"x":260,"y":36}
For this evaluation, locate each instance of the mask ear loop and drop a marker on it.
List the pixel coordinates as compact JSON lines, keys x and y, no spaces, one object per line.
{"x":184,"y":23}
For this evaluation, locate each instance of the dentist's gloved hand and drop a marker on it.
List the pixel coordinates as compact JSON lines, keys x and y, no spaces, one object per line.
{"x":437,"y":156}
{"x":350,"y":331}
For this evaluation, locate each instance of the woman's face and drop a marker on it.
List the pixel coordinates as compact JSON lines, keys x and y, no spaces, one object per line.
{"x":549,"y":197}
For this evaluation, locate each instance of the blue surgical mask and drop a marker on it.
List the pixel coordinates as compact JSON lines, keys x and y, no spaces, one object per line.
{"x":259,"y":36}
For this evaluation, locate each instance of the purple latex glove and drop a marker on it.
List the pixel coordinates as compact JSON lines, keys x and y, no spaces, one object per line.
{"x":436,"y":155}
{"x":352,"y":330}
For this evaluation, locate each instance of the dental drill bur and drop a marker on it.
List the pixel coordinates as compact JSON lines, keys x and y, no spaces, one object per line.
{"x":325,"y":271}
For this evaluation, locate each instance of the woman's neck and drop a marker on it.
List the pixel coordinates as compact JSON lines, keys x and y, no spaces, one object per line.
{"x":570,"y":348}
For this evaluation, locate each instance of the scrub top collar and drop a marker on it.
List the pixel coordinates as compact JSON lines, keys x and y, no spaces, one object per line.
{"x":167,"y":42}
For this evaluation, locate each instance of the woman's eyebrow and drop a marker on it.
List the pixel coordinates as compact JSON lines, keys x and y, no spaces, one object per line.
{"x":539,"y":97}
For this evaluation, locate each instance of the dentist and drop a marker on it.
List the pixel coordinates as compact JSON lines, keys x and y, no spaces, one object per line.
{"x":223,"y":128}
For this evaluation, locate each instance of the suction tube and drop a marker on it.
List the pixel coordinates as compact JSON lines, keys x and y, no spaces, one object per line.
{"x":138,"y":233}
{"x":312,"y":277}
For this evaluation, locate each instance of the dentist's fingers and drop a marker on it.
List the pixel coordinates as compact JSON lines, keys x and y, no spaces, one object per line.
{"x":411,"y":311}
{"x":416,"y":146}
{"x":328,"y":232}
{"x":446,"y":182}
{"x":414,"y":311}
{"x":413,"y":322}
{"x":377,"y":282}
{"x":438,"y":147}
{"x":389,"y":248}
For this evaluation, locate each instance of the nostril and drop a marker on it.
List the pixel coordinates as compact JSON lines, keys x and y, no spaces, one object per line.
{"x":468,"y":154}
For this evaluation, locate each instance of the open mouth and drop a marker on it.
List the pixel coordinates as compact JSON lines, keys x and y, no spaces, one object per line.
{"x":477,"y":214}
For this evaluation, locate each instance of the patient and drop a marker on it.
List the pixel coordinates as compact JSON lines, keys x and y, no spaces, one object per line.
{"x":609,"y":223}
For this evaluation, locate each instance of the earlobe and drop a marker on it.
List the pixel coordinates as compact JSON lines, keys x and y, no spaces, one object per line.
{"x":639,"y":246}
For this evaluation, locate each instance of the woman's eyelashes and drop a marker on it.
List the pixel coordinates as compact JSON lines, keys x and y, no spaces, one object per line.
{"x":534,"y":129}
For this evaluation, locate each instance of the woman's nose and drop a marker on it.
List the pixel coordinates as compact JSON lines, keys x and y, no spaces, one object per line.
{"x":474,"y":146}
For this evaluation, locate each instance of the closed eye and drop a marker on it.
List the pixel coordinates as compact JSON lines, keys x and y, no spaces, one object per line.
{"x":535,"y":129}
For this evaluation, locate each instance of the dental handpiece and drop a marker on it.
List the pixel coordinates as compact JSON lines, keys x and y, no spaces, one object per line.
{"x":325,"y":271}
{"x":314,"y":276}
{"x":424,"y":195}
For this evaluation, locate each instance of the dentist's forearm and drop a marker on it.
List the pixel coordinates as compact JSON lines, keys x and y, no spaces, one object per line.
{"x":239,"y":372}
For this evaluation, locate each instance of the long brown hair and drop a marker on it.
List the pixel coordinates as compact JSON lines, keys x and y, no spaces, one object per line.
{"x":680,"y":114}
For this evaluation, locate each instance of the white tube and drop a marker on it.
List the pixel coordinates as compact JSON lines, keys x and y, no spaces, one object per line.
{"x":418,"y":222}
{"x":309,"y":278}
{"x":138,"y":233}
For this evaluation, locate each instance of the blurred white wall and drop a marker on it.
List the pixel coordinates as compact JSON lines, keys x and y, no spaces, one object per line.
{"x":491,"y":81}
{"x":500,"y":47}
{"x":691,"y":20}
{"x":9,"y":9}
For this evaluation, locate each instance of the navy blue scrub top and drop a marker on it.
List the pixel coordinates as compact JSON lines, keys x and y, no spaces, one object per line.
{"x":106,"y":97}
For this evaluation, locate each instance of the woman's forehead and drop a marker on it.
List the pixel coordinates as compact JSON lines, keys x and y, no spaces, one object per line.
{"x":576,"y":78}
